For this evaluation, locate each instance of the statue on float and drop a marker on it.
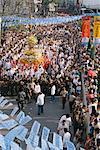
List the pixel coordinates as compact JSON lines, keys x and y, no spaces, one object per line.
{"x":34,"y":55}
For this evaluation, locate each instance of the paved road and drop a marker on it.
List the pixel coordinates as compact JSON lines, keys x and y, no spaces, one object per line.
{"x":52,"y":113}
{"x":50,"y":117}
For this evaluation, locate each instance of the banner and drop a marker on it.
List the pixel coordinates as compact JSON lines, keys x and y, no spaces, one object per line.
{"x":85,"y":29}
{"x":97,"y":29}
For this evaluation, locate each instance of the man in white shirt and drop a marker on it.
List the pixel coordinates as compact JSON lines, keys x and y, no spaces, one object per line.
{"x":40,"y":102}
{"x":61,"y":127}
{"x":67,"y":119}
{"x":66,"y":138}
{"x":91,"y":105}
{"x":53,"y":91}
{"x":37,"y":90}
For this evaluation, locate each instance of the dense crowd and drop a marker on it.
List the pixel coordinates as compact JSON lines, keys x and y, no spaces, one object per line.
{"x":91,"y":72}
{"x":61,"y":44}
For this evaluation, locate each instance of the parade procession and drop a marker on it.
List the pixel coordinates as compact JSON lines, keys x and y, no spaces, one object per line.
{"x":49,"y":79}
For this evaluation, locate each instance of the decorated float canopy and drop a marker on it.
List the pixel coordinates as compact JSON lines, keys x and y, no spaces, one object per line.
{"x":34,"y":55}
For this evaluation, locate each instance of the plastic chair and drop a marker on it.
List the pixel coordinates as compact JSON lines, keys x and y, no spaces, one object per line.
{"x":25,"y":120}
{"x":9,"y":105}
{"x":2,"y":142}
{"x":3,"y":116}
{"x":20,"y":116}
{"x":44,"y":145}
{"x":15,"y":146}
{"x":8,"y":124}
{"x":38,"y":148}
{"x":3,"y":103}
{"x":70,"y":145}
{"x":14,"y":111}
{"x":52,"y":147}
{"x":32,"y":144}
{"x":35,"y":141}
{"x":12,"y":134}
{"x":21,"y":136}
{"x":45,"y":133}
{"x":1,"y":99}
{"x":34,"y":130}
{"x":57,"y":141}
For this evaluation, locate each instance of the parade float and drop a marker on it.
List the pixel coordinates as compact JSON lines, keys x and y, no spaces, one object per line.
{"x":34,"y":55}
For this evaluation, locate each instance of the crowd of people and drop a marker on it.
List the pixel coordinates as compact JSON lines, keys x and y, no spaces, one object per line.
{"x":59,"y":43}
{"x":91,"y":72}
{"x":62,"y":77}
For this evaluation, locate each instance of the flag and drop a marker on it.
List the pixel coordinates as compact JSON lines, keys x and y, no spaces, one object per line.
{"x":97,"y":29}
{"x":86,"y":29}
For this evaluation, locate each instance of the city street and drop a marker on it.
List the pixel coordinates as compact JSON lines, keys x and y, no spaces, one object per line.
{"x":51,"y":115}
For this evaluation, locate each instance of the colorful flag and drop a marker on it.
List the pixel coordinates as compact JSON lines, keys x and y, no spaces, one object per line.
{"x":86,"y":29}
{"x":97,"y":29}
